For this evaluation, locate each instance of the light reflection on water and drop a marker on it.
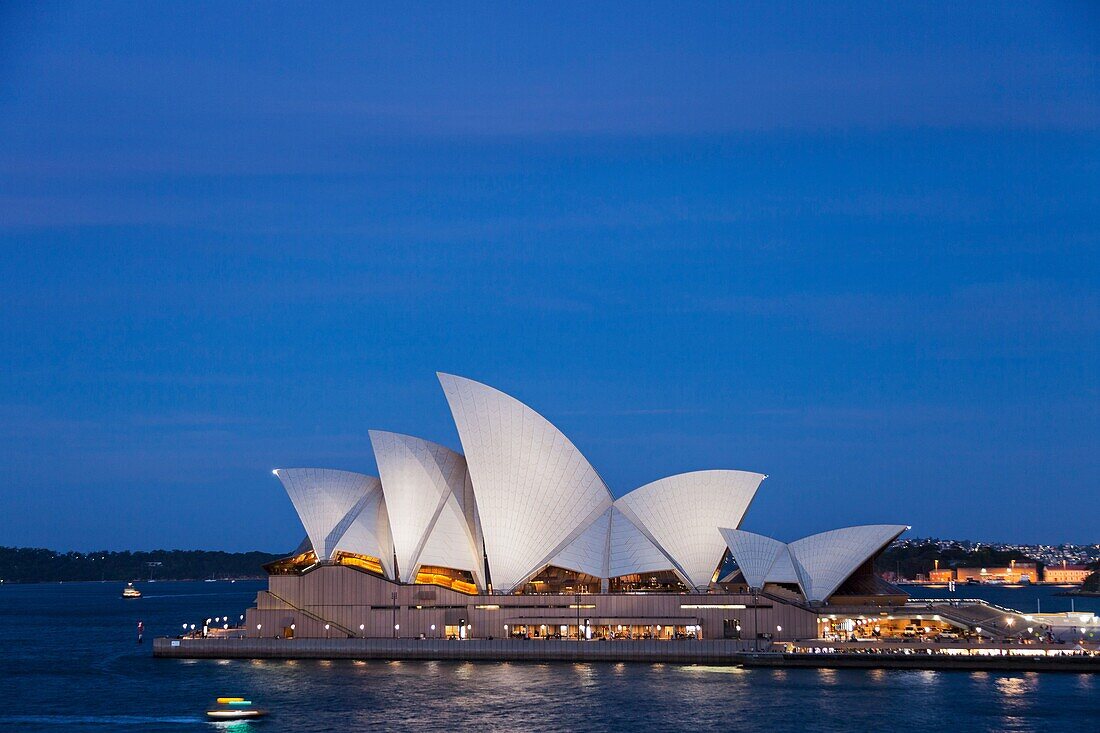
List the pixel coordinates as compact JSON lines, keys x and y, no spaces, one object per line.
{"x":704,"y":669}
{"x":1013,"y":690}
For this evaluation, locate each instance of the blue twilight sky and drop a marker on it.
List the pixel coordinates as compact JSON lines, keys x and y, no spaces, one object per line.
{"x":852,"y":246}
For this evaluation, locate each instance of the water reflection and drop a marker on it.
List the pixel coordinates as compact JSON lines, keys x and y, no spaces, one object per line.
{"x":233,"y":726}
{"x":704,"y":669}
{"x":1013,"y":688}
{"x":928,"y":676}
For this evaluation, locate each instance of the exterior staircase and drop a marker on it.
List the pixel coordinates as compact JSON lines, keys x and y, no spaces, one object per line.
{"x":974,"y":613}
{"x":310,"y":614}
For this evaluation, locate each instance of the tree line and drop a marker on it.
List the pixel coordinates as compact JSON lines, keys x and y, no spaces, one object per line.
{"x":39,"y":565}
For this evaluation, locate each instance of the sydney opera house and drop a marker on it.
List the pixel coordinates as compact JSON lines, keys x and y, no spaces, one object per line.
{"x":518,"y":536}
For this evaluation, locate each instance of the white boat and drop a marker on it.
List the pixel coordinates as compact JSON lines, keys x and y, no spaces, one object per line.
{"x":234,"y":708}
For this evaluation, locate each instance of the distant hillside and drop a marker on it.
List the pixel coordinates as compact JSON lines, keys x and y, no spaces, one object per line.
{"x":912,"y":559}
{"x":36,"y":565}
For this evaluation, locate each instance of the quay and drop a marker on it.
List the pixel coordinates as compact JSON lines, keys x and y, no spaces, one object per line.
{"x":716,"y":652}
{"x":683,"y":651}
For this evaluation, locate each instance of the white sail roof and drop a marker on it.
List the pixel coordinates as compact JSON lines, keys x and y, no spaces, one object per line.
{"x":535,"y":491}
{"x":819,"y":563}
{"x":631,"y":552}
{"x":826,"y":560}
{"x":681,"y":515}
{"x":424,"y":485}
{"x":611,"y":547}
{"x":755,"y":554}
{"x":783,"y":569}
{"x":368,"y":533}
{"x":588,"y":553}
{"x":327,"y":502}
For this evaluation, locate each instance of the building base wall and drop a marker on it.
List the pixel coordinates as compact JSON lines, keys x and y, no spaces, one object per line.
{"x":355,"y":604}
{"x":695,"y":651}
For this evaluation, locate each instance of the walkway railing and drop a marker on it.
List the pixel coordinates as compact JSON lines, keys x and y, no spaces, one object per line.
{"x":960,"y":601}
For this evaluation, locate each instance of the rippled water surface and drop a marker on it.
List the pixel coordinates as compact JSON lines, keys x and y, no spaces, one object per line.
{"x":69,"y":660}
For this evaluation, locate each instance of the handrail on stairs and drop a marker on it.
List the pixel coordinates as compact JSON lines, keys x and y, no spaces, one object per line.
{"x":311,"y":614}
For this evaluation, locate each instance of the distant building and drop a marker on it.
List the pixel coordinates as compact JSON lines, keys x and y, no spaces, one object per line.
{"x":1016,"y":572}
{"x":941,"y":576}
{"x":1065,"y":573}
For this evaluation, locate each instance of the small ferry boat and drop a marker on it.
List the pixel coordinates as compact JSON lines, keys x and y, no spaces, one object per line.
{"x":234,"y":708}
{"x":130,"y":591}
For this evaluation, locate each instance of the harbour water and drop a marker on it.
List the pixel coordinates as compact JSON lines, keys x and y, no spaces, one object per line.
{"x":70,"y":661}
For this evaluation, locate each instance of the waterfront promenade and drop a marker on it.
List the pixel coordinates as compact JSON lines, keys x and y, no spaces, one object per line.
{"x":702,"y":651}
